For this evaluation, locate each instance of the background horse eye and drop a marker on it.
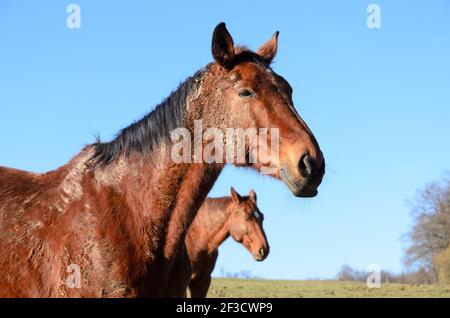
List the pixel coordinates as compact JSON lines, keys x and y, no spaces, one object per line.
{"x":245,"y":93}
{"x":258,"y":215}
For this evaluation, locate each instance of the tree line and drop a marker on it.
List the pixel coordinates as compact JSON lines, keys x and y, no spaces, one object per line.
{"x":427,"y":253}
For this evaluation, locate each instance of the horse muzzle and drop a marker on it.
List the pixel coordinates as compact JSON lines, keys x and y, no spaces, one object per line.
{"x":261,"y":254}
{"x":310,"y":177}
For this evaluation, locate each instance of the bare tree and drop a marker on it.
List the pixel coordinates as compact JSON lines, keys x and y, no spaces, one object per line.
{"x":430,"y":234}
{"x":347,"y":273}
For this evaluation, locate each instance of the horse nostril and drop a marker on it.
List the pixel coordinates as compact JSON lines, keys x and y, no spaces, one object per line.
{"x":306,"y":166}
{"x":261,"y":252}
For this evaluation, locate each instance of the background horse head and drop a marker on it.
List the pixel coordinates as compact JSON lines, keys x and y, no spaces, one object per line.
{"x":245,"y":224}
{"x":219,"y":218}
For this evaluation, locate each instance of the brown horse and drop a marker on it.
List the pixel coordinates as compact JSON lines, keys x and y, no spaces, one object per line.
{"x":116,"y":215}
{"x":236,"y":216}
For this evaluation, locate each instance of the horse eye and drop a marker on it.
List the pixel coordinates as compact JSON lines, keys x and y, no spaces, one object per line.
{"x":245,"y":93}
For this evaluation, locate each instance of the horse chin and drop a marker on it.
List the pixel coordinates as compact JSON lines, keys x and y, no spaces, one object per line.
{"x":298,"y":191}
{"x":303,"y":194}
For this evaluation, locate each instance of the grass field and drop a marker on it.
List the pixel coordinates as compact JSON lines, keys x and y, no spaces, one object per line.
{"x":224,"y":287}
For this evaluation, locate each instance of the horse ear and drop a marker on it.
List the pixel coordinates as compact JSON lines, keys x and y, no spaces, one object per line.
{"x":268,"y":50}
{"x":222,"y":46}
{"x":252,"y":194}
{"x":235,"y":196}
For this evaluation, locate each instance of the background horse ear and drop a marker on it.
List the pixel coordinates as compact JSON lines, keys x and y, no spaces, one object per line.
{"x":252,"y":194}
{"x":268,"y":50}
{"x":235,"y":196}
{"x":223,"y":46}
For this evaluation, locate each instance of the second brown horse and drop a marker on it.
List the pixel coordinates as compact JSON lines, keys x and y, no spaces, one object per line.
{"x":217,"y":219}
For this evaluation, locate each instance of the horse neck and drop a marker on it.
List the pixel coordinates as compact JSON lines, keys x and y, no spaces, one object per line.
{"x":168,"y":199}
{"x":164,"y":195}
{"x":215,"y":216}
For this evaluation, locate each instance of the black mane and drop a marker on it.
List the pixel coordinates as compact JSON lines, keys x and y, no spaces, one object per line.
{"x":143,"y":134}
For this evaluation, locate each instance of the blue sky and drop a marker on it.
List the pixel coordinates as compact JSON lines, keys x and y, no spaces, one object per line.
{"x":378,"y":101}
